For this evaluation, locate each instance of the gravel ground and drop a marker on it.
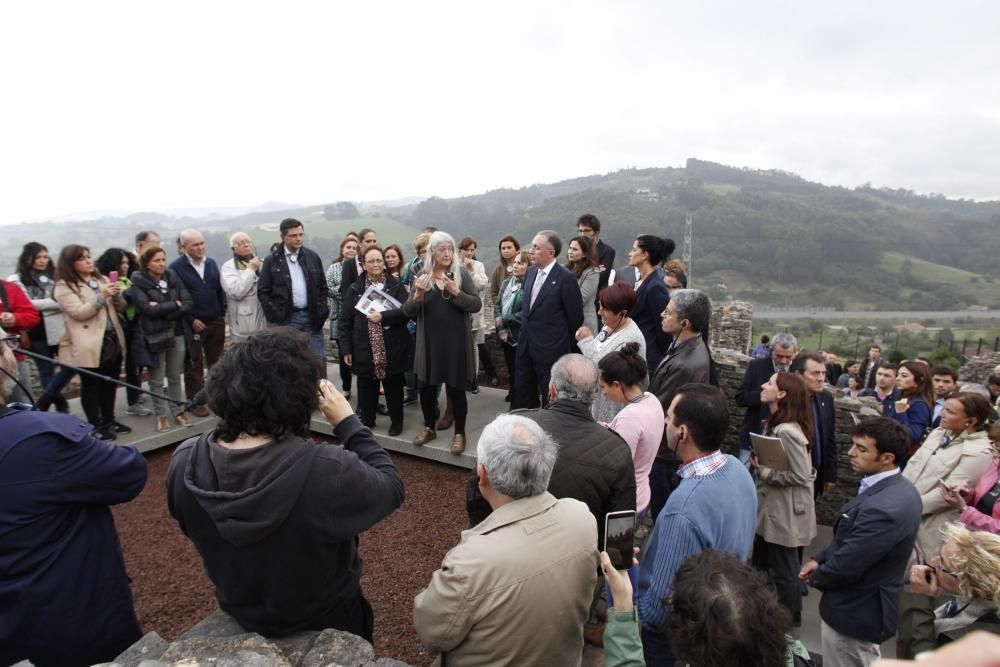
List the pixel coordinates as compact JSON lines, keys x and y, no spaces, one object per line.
{"x":172,"y":592}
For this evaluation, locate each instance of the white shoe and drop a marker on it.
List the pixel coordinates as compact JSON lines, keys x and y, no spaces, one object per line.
{"x":138,"y":410}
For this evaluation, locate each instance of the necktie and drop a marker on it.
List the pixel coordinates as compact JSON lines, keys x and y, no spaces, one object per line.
{"x":537,"y":287}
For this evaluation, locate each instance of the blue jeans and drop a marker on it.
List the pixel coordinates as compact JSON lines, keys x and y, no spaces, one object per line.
{"x":300,"y":321}
{"x":59,"y":381}
{"x":656,"y":649}
{"x":45,"y":369}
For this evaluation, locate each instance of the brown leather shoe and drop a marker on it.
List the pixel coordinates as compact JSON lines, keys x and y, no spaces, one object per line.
{"x":183,"y":419}
{"x":162,"y":423}
{"x":199,"y":411}
{"x":458,"y":444}
{"x":424,"y":437}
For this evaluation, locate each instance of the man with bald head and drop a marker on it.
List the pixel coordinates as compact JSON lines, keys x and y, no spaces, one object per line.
{"x":200,"y":274}
{"x":239,"y":281}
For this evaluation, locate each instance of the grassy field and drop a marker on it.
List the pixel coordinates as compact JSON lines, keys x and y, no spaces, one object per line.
{"x":976,"y":287}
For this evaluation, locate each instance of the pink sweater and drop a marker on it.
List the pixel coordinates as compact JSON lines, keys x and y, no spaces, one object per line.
{"x":641,"y":426}
{"x":972,"y":517}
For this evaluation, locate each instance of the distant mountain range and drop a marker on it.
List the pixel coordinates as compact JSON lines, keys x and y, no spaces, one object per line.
{"x":768,"y":236}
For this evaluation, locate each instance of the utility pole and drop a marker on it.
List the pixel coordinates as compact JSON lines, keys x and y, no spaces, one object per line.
{"x":686,"y":254}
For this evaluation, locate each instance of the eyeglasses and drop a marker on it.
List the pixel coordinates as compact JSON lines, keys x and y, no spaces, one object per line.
{"x":11,"y":341}
{"x":941,"y":568}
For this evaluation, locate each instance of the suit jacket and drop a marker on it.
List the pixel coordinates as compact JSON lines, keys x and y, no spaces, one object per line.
{"x":685,"y":362}
{"x":208,"y":299}
{"x":350,"y":274}
{"x":516,"y":589}
{"x":651,"y":299}
{"x":758,"y":372}
{"x":868,"y":370}
{"x":826,"y":463}
{"x":861,"y":572}
{"x":548,"y":327}
{"x":606,"y":258}
{"x":274,"y":287}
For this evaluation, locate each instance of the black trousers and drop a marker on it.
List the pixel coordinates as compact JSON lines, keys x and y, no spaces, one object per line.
{"x":782,"y":565}
{"x":368,"y":398}
{"x":510,"y":358}
{"x":97,"y":397}
{"x":486,"y":361}
{"x":459,"y":405}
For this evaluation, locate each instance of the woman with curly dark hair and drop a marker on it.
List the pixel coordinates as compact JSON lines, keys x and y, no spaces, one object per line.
{"x":722,"y":615}
{"x":274,"y":515}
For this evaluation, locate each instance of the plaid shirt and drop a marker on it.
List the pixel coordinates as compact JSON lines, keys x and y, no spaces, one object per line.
{"x":703,"y":465}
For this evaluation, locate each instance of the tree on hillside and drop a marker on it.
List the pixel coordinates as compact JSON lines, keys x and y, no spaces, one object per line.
{"x":433,"y":212}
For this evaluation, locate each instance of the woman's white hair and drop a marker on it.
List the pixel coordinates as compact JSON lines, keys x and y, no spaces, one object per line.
{"x":437,"y":238}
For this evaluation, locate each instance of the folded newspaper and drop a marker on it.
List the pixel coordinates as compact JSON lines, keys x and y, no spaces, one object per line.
{"x":376,"y":299}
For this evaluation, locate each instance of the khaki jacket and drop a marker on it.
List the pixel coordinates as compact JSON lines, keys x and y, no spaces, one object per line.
{"x":517,"y":588}
{"x":966,"y":458}
{"x":786,"y":512}
{"x":85,"y":321}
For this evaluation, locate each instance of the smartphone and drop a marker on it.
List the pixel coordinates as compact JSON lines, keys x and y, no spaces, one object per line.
{"x":947,"y":487}
{"x":619,"y":538}
{"x":113,"y":276}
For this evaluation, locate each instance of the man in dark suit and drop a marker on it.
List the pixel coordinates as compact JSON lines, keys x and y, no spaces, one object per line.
{"x":758,"y":372}
{"x":201,"y":276}
{"x":353,"y":269}
{"x":551,"y":313}
{"x":588,"y":225}
{"x":861,"y":572}
{"x":811,"y":367}
{"x":292,"y":288}
{"x":870,"y":366}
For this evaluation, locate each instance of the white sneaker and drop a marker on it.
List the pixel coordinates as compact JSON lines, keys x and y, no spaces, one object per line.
{"x":138,"y":410}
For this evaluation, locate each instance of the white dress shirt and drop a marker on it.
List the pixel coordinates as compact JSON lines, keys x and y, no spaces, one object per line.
{"x":540,"y":277}
{"x":300,"y":297}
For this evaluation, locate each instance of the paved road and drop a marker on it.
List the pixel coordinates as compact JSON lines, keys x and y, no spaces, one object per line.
{"x":834,"y":315}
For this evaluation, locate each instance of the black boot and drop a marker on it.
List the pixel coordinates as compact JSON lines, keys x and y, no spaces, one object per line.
{"x":62,"y":405}
{"x":44,"y":403}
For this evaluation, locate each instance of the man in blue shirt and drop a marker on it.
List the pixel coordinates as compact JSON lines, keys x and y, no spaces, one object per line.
{"x":292,"y":288}
{"x":714,"y":507}
{"x":885,"y":388}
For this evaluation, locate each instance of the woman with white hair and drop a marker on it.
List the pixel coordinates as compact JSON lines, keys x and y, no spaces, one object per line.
{"x":442,"y":301}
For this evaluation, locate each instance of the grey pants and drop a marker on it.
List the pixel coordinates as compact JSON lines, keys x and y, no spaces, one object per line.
{"x":843,"y":651}
{"x":171,"y":366}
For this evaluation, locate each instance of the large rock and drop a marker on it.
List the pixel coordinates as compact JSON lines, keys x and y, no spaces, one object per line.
{"x":150,"y":647}
{"x":248,"y":649}
{"x":336,"y":648}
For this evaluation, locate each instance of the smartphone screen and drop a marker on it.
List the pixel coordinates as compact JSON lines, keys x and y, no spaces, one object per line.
{"x":619,"y":538}
{"x":113,"y":277}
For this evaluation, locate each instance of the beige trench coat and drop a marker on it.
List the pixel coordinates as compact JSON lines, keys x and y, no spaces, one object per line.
{"x":85,"y":321}
{"x":965,"y":458}
{"x":786,"y":512}
{"x":517,"y":588}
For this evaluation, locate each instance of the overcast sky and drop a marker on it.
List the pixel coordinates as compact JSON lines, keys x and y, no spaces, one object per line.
{"x":143,"y":106}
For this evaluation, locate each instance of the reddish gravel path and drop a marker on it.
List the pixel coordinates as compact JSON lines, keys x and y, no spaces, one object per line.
{"x":172,"y":592}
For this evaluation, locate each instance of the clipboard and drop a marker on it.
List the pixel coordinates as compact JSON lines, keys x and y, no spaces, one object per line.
{"x":770,"y":452}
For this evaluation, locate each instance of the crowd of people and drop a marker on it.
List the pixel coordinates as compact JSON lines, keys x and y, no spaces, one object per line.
{"x":615,"y":409}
